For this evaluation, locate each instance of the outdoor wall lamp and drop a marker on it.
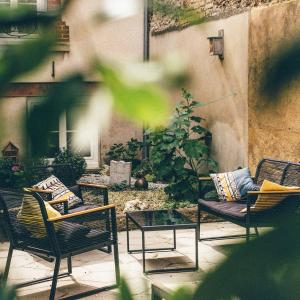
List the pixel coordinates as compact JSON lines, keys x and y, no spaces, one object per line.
{"x":216,"y":44}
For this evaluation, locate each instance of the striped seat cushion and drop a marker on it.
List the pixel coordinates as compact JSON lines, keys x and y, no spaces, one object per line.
{"x":267,"y":201}
{"x":30,"y":216}
{"x":59,"y":192}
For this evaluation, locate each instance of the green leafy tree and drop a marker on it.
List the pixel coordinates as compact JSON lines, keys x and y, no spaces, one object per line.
{"x":180,"y":153}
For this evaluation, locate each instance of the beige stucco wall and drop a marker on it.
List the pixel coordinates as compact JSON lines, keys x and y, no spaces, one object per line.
{"x":12,"y":111}
{"x":274,"y":126}
{"x":119,"y":41}
{"x":225,"y":83}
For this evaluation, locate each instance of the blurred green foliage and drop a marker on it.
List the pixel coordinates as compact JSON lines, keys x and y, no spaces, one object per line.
{"x":143,"y":103}
{"x":7,"y":292}
{"x":281,"y":69}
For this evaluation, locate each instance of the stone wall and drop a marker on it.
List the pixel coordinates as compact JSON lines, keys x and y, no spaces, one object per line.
{"x":209,"y":9}
{"x":274,"y":124}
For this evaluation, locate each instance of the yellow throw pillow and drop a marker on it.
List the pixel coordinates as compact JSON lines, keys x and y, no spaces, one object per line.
{"x":267,"y":201}
{"x":30,"y":216}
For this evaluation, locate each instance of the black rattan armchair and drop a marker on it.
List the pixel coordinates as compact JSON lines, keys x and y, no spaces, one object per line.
{"x":282,"y":172}
{"x":59,"y":243}
{"x":65,"y":173}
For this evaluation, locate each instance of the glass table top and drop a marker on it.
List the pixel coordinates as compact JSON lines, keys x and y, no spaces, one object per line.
{"x":157,"y":218}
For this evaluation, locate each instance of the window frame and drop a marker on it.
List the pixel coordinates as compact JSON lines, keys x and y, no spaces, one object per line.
{"x":92,"y":160}
{"x":41,"y":5}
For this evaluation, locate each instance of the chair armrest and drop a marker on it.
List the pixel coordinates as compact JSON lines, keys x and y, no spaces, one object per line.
{"x":205,"y":178}
{"x":291,"y":192}
{"x":94,"y":185}
{"x":81,"y":213}
{"x":52,"y":202}
{"x":35,"y":190}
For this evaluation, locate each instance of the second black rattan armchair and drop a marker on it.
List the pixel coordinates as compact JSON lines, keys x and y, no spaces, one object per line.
{"x":60,"y":242}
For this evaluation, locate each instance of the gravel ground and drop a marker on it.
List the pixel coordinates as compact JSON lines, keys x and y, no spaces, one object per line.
{"x":97,"y":178}
{"x":154,"y":198}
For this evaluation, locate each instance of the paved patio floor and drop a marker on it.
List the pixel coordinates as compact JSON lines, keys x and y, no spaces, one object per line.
{"x":95,"y":269}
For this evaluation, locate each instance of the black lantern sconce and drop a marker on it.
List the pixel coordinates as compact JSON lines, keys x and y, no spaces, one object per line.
{"x":216,"y":44}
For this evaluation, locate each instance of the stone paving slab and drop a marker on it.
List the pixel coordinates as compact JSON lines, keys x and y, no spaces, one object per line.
{"x":95,"y":269}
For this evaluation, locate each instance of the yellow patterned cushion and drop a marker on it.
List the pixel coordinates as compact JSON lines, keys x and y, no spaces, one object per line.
{"x":59,"y":192}
{"x":30,"y":216}
{"x":264,"y":202}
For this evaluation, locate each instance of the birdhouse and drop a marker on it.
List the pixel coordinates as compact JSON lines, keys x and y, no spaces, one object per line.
{"x":216,"y":44}
{"x":11,"y":152}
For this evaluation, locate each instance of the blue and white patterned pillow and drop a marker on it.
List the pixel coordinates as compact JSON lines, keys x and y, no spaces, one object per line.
{"x":233,"y":186}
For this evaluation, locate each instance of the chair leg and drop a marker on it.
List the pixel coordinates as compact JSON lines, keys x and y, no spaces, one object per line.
{"x":117,"y":263}
{"x":199,"y":220}
{"x":107,"y":221}
{"x":256,"y":231}
{"x":8,"y":261}
{"x":70,"y":265}
{"x":54,"y":280}
{"x":247,"y":234}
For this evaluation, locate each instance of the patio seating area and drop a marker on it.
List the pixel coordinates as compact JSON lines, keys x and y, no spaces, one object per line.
{"x":95,"y":268}
{"x":149,"y":149}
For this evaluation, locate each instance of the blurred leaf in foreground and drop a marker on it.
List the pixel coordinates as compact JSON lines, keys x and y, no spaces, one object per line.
{"x":265,"y":268}
{"x":124,"y":290}
{"x":144,"y":103}
{"x":6,"y":292}
{"x":181,"y":294}
{"x":16,"y":60}
{"x":23,"y":15}
{"x":42,"y":118}
{"x":282,"y":68}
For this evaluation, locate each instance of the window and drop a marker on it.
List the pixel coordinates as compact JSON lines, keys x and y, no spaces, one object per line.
{"x":22,"y":30}
{"x":39,"y":5}
{"x":66,"y":134}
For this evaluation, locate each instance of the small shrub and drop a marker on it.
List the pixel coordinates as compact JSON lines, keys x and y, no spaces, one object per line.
{"x":127,"y":152}
{"x":180,"y":153}
{"x":117,"y":187}
{"x":12,"y":174}
{"x":65,"y":156}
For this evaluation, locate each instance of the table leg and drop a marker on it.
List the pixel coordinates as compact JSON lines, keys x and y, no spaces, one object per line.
{"x":174,"y":237}
{"x":196,"y":247}
{"x":127,"y":233}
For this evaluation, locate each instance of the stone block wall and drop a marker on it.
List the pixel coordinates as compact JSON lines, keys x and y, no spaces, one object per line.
{"x":209,"y":9}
